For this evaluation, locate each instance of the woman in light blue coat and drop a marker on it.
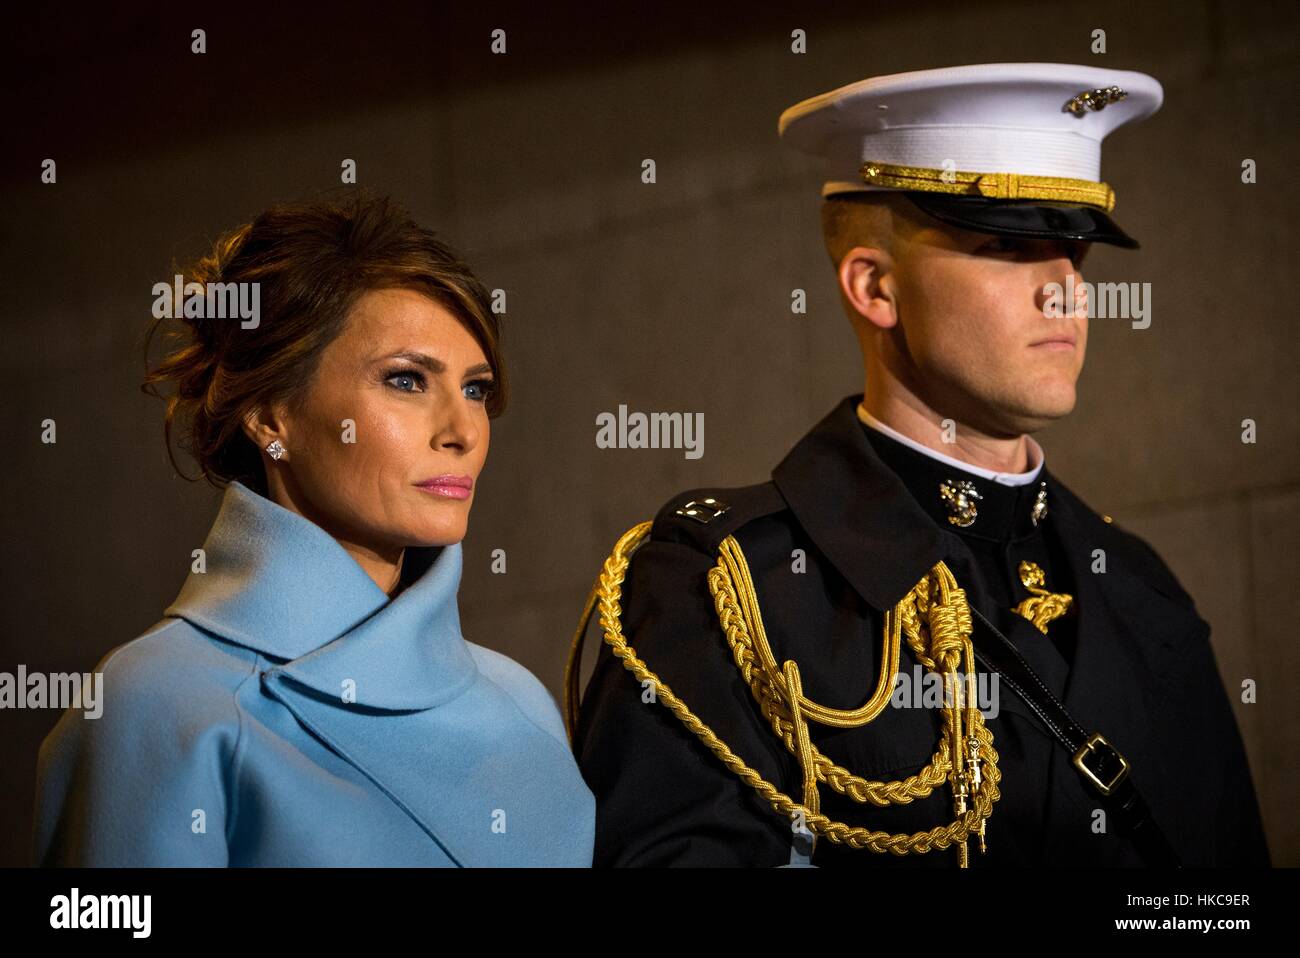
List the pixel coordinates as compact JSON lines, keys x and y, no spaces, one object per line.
{"x":308,"y":698}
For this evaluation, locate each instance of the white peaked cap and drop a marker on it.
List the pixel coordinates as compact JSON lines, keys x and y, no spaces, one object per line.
{"x":1009,"y":118}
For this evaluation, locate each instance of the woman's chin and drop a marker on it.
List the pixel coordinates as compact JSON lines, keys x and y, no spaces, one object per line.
{"x":444,"y":534}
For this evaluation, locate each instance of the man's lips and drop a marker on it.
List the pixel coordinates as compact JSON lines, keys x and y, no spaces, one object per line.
{"x":1062,"y":341}
{"x":453,"y":487}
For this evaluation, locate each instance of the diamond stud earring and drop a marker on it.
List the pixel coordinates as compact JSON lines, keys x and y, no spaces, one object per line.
{"x":275,"y":449}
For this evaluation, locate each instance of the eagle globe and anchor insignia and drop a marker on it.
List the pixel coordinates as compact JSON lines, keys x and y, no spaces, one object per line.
{"x":960,"y":497}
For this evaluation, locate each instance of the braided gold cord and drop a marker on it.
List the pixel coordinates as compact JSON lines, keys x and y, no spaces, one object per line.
{"x":949,"y":628}
{"x":779,"y":692}
{"x":771,"y":696}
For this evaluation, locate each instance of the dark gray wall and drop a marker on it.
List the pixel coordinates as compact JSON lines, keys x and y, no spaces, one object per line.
{"x":668,"y":297}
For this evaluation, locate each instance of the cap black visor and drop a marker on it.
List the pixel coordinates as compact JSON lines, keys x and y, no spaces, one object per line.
{"x":1034,"y":219}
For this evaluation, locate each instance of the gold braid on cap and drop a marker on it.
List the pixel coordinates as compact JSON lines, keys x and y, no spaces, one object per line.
{"x":935,"y":620}
{"x":1004,"y":186}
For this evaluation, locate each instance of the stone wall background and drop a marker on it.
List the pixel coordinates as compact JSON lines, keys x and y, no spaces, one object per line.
{"x":666,"y":297}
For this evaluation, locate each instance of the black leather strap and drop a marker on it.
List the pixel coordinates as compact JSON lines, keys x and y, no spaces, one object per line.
{"x":1103,"y":769}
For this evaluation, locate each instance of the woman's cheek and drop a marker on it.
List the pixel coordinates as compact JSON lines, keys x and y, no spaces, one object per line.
{"x":391,"y":429}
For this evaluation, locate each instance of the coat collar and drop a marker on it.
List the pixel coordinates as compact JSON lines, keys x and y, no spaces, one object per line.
{"x":1004,"y":512}
{"x":858,"y":511}
{"x":279,"y":584}
{"x":1036,"y":455}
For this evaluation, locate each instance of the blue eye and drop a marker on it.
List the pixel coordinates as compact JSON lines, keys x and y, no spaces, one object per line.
{"x":411,"y":375}
{"x":485,"y":389}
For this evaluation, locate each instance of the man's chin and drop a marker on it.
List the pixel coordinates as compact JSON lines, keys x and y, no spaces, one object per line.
{"x":1039,"y":416}
{"x":1031,"y":413}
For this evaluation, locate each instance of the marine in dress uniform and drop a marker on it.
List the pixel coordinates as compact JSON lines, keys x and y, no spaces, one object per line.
{"x":748,"y":705}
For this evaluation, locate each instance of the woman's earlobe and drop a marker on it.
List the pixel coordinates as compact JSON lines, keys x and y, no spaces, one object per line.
{"x":261,"y":432}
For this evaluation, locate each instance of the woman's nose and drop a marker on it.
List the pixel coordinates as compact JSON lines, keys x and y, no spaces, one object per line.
{"x":458,"y":428}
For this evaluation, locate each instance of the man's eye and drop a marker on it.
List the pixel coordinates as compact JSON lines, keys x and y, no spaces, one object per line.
{"x":1002,"y":244}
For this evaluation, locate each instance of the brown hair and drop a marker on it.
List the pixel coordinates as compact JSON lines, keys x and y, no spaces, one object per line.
{"x":873,"y":218}
{"x":312,"y":260}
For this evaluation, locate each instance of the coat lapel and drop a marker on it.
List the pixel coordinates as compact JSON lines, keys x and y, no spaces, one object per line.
{"x":857,"y":511}
{"x":487,"y":792}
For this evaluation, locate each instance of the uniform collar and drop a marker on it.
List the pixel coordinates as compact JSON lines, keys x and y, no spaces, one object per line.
{"x":278,"y":583}
{"x":857,"y":511}
{"x":860,"y":513}
{"x":1005,"y":508}
{"x":1036,"y":455}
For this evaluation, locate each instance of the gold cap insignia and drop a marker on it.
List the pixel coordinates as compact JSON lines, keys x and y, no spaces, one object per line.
{"x":1093,"y":100}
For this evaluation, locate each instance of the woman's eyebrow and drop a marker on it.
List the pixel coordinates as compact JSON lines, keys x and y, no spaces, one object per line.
{"x":430,"y":363}
{"x":433,"y":364}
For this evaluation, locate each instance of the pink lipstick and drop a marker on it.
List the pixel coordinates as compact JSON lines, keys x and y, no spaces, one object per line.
{"x":452,"y":487}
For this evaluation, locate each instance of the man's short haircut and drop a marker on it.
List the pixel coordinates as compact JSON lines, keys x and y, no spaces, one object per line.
{"x":865,"y":219}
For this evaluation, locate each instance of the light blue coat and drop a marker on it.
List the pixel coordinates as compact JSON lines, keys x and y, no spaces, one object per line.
{"x":287,"y":713}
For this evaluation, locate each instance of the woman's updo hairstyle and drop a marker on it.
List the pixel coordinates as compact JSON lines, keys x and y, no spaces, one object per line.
{"x":311,"y":260}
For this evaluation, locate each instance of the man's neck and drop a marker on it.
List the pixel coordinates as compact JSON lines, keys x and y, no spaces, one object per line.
{"x":913,"y":419}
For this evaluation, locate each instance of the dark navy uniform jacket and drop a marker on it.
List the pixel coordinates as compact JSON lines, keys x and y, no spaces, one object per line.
{"x":1132,"y":660}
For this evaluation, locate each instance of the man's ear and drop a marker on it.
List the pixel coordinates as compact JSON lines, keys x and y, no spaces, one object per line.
{"x":867,"y":285}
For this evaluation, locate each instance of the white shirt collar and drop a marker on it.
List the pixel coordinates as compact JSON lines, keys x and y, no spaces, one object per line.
{"x":1036,"y":455}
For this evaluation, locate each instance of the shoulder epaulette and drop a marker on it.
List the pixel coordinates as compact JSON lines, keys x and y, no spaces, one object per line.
{"x":704,"y":517}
